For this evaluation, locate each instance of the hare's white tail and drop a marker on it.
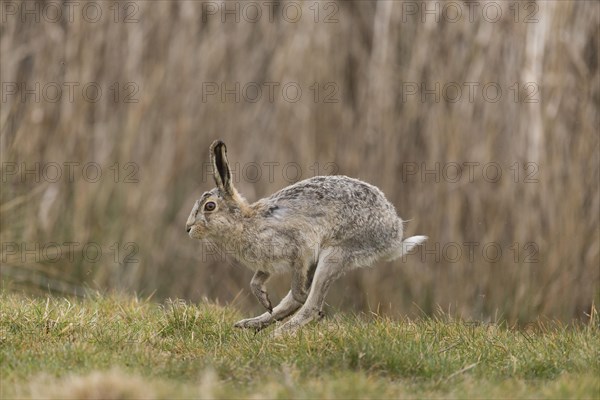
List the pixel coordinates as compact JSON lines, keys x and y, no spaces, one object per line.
{"x":407,"y":245}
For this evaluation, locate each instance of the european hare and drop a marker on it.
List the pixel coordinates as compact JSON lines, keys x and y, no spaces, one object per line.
{"x":317,"y":229}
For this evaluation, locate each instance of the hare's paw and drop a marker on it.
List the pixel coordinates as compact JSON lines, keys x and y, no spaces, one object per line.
{"x":257,"y":284}
{"x":263,"y":297}
{"x":256,"y":323}
{"x":292,"y":326}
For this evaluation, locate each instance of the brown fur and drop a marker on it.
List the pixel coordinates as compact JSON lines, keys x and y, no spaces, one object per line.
{"x":317,"y":229}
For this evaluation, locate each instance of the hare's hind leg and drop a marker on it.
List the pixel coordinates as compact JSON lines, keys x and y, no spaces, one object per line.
{"x":287,"y":306}
{"x":301,"y":282}
{"x":330,"y":268}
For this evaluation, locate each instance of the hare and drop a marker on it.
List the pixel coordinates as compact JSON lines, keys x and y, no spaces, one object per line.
{"x":318,"y":229}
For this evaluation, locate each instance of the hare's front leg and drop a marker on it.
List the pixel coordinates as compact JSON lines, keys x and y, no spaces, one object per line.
{"x":257,"y":285}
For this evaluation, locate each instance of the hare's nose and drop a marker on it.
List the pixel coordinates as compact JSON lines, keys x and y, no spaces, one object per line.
{"x":188,"y":228}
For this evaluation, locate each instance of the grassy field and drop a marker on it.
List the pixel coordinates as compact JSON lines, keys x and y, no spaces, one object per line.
{"x":122,"y":347}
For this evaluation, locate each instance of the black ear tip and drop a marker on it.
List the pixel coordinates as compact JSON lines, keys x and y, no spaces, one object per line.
{"x":217,"y":144}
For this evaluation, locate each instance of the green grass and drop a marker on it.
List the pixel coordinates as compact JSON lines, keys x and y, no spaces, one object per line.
{"x":120,"y":347}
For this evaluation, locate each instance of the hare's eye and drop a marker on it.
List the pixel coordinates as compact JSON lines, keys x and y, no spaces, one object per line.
{"x":210,"y":206}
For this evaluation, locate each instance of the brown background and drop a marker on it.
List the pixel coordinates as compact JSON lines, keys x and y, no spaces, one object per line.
{"x":366,"y":57}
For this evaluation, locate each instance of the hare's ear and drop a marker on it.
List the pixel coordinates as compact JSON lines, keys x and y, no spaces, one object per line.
{"x":221,"y":171}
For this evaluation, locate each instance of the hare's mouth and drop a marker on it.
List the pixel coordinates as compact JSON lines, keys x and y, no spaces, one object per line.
{"x":195,"y":232}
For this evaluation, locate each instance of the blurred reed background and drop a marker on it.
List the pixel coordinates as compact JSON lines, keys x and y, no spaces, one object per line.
{"x":357,"y":63}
